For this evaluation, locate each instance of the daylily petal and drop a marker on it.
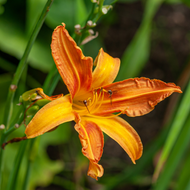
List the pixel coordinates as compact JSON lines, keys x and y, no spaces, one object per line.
{"x":106,"y":69}
{"x":74,"y":68}
{"x":92,"y":141}
{"x":50,"y":116}
{"x":135,"y":97}
{"x":123,"y":133}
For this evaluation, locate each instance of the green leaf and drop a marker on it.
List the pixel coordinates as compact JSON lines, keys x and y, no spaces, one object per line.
{"x":4,"y":64}
{"x":186,"y":2}
{"x":33,"y":11}
{"x":183,"y":179}
{"x":5,"y":81}
{"x":178,"y":122}
{"x":81,"y":12}
{"x":137,"y":53}
{"x":62,"y":11}
{"x":175,"y":156}
{"x":92,"y":48}
{"x":173,"y":1}
{"x":44,"y":169}
{"x":14,"y":42}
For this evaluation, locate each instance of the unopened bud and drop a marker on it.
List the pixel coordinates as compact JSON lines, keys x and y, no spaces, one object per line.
{"x":32,"y":110}
{"x":77,"y":27}
{"x":94,"y":1}
{"x":42,"y":102}
{"x":17,"y":125}
{"x":91,"y":24}
{"x":2,"y":126}
{"x":106,"y":8}
{"x":13,"y":87}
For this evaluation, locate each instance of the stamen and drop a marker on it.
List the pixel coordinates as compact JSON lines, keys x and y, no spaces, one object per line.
{"x":93,"y":103}
{"x":98,"y":100}
{"x":110,"y":95}
{"x":85,"y":103}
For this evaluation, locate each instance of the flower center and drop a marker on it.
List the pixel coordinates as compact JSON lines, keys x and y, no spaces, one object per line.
{"x":90,"y":104}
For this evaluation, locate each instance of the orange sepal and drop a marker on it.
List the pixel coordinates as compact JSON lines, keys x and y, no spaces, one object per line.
{"x":106,"y":69}
{"x":135,"y":97}
{"x":92,"y":141}
{"x":74,"y":68}
{"x":123,"y":133}
{"x":50,"y":116}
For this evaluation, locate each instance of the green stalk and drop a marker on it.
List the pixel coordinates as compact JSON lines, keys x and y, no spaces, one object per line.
{"x":28,"y":165}
{"x":17,"y":76}
{"x":178,"y":123}
{"x":14,"y":173}
{"x":48,"y":87}
{"x":176,"y":155}
{"x":17,"y":121}
{"x":51,"y":81}
{"x":22,"y":64}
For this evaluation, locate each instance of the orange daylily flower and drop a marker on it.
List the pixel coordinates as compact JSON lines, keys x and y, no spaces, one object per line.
{"x":93,"y":99}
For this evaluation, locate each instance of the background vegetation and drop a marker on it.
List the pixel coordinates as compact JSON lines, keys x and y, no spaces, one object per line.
{"x":152,"y":39}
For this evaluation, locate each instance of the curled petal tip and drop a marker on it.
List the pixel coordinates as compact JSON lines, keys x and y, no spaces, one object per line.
{"x":95,"y":170}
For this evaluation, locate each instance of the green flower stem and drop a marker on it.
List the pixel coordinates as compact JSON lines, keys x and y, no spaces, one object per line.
{"x":19,"y":71}
{"x":95,"y":14}
{"x":22,"y":64}
{"x":14,"y":173}
{"x":28,"y":165}
{"x":51,"y":81}
{"x":48,"y":87}
{"x":18,"y":120}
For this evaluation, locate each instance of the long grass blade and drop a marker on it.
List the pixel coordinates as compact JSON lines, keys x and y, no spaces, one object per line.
{"x":176,"y":127}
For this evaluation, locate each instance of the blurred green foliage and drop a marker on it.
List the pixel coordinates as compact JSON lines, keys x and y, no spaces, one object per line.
{"x":17,"y":20}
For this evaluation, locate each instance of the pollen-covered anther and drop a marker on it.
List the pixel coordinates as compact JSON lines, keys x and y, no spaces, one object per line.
{"x":85,"y":103}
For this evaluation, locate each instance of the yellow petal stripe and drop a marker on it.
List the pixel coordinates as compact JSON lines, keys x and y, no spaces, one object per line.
{"x":106,"y":69}
{"x":50,"y":116}
{"x":136,"y":96}
{"x":123,"y":133}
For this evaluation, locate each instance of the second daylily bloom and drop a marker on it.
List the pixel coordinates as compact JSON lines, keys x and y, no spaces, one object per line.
{"x":93,"y":99}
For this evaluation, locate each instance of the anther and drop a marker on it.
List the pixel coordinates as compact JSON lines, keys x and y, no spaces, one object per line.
{"x":85,"y":103}
{"x":110,"y":95}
